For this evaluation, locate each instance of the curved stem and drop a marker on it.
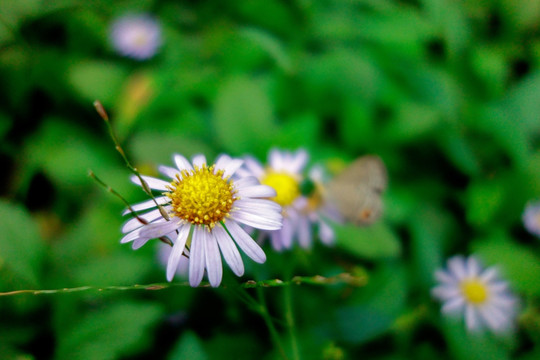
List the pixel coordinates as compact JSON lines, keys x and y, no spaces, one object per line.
{"x":263,"y":310}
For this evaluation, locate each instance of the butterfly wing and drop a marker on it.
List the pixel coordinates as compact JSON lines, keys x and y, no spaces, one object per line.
{"x":356,"y":192}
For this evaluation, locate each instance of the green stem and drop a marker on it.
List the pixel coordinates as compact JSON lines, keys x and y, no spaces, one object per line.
{"x":289,"y":318}
{"x":263,"y":310}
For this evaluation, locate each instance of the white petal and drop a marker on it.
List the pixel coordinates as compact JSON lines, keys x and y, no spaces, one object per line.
{"x":245,"y":182}
{"x":148,"y":204}
{"x":493,"y":318}
{"x":182,"y":163}
{"x":134,"y":223}
{"x":298,"y":162}
{"x":472,"y":319}
{"x":232,"y":166}
{"x":445,"y":277}
{"x":257,"y":191}
{"x":159,"y":229}
{"x":258,"y":222}
{"x":326,"y":233}
{"x":456,"y":266}
{"x":286,"y":234}
{"x":177,"y":250}
{"x":445,"y":292}
{"x":275,"y":239}
{"x":489,"y":274}
{"x":258,"y":205}
{"x":473,"y":267}
{"x":276,"y":159}
{"x":304,"y":232}
{"x":130,"y":237}
{"x":222,"y":161}
{"x":199,"y":160}
{"x":196,"y":256}
{"x":153,"y":183}
{"x":139,"y":243}
{"x":254,"y":167}
{"x":453,"y":306}
{"x":168,"y":171}
{"x":229,"y":251}
{"x":214,"y":267}
{"x":245,"y":242}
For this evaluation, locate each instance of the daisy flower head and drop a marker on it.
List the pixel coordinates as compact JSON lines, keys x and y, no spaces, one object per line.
{"x":201,"y":209}
{"x":137,"y":36}
{"x":284,"y":173}
{"x":531,"y":218}
{"x":477,"y":293}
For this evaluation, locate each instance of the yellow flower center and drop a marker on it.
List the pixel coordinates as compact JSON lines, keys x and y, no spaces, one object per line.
{"x":201,"y":196}
{"x":286,"y":187}
{"x":475,"y":292}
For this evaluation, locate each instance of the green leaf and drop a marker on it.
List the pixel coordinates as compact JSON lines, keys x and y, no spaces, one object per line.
{"x":520,"y":266}
{"x":97,"y":80}
{"x":118,"y":330}
{"x":21,"y":247}
{"x":270,"y":45}
{"x":484,"y":199}
{"x":188,"y":347}
{"x":243,"y":118}
{"x":374,"y":242}
{"x":375,"y":309}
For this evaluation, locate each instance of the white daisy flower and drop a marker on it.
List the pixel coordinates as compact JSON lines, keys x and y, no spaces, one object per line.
{"x":466,"y":288}
{"x":284,"y":174}
{"x":204,"y":206}
{"x":136,"y":36}
{"x":531,"y":218}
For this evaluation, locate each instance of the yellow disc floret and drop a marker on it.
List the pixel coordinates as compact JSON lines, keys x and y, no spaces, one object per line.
{"x":474,"y":291}
{"x":202,"y":196}
{"x":286,"y":186}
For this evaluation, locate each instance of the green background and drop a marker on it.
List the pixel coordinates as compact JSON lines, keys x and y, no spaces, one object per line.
{"x":446,"y":92}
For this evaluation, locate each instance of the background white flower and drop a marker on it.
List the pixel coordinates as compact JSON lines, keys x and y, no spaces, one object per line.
{"x":531,"y":218}
{"x":204,"y":206}
{"x":136,"y":36}
{"x":466,"y":288}
{"x":284,"y":174}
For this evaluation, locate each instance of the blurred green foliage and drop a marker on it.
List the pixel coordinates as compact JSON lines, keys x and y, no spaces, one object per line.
{"x":447,"y":92}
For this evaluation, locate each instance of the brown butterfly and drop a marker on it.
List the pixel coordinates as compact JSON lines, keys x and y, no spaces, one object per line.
{"x":357,"y":192}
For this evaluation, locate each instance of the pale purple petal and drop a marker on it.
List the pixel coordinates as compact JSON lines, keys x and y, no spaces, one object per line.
{"x":214,"y":267}
{"x":229,"y":251}
{"x":153,"y":183}
{"x":456,"y":266}
{"x":168,"y":171}
{"x":326,"y":233}
{"x":254,"y":167}
{"x":258,"y":222}
{"x":472,"y":319}
{"x":258,"y":205}
{"x":130,"y":237}
{"x":245,"y":182}
{"x":298,"y":161}
{"x":134,"y":223}
{"x":286,"y":234}
{"x":196,"y":257}
{"x":159,"y":229}
{"x":453,"y":306}
{"x":257,"y":191}
{"x":304,"y":232}
{"x":182,"y":163}
{"x":138,"y":243}
{"x":199,"y":160}
{"x":276,"y":160}
{"x":276,"y":239}
{"x":222,"y":161}
{"x":473,"y":267}
{"x":245,"y":242}
{"x":148,"y":204}
{"x":177,"y":250}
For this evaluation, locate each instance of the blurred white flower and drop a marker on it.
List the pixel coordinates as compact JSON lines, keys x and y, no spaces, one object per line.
{"x":204,"y":205}
{"x":136,"y":36}
{"x":467,"y":289}
{"x":284,"y":173}
{"x":531,"y":218}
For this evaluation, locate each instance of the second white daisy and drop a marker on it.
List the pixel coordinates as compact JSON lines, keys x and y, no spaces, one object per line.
{"x":466,"y":288}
